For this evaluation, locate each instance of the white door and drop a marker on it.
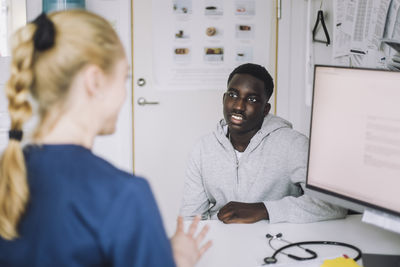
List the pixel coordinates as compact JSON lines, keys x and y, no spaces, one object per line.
{"x":164,"y":133}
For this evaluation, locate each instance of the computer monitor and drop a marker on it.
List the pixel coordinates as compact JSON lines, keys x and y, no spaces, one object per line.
{"x":354,"y":156}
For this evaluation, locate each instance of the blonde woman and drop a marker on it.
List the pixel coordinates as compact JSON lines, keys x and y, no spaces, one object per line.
{"x":60,"y":205}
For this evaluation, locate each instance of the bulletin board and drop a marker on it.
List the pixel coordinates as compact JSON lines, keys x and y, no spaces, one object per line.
{"x":363,"y":33}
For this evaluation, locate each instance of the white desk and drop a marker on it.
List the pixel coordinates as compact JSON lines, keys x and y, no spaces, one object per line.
{"x":245,"y":245}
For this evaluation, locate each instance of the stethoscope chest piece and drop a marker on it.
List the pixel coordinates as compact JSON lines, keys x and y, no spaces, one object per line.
{"x":270,"y":260}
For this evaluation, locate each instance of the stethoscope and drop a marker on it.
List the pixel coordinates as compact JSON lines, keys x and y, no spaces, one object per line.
{"x":272,"y":259}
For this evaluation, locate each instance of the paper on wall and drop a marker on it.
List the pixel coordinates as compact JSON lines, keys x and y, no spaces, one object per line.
{"x":359,"y":28}
{"x":369,"y":24}
{"x":350,"y":15}
{"x":197,"y":44}
{"x":393,"y":18}
{"x":341,"y":38}
{"x":376,"y":27}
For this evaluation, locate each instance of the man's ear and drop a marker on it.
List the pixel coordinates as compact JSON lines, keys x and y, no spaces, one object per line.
{"x":223,"y":98}
{"x":267,"y":108}
{"x":93,"y":78}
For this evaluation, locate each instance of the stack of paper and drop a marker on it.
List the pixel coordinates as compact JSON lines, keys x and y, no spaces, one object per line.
{"x":393,"y":62}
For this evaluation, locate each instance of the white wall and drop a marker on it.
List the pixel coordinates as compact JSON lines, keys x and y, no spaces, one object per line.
{"x":291,"y":61}
{"x":292,"y":55}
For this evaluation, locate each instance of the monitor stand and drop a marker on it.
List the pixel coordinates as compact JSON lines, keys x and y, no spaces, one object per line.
{"x":380,"y":260}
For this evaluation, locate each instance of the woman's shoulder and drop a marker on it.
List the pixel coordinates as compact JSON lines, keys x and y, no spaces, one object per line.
{"x":101,"y":170}
{"x":79,"y":164}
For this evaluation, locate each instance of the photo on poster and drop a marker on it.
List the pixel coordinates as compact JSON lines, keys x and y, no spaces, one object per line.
{"x":244,"y":31}
{"x":181,"y":33}
{"x":213,"y":8}
{"x":244,"y":54}
{"x":214,"y":54}
{"x":246,"y":8}
{"x":182,"y":6}
{"x":181,"y":54}
{"x":213,"y":32}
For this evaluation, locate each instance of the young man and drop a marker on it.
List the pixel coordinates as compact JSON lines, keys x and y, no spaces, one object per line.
{"x":253,"y":166}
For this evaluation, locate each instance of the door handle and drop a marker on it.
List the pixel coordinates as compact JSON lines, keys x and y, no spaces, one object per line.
{"x":142,"y":101}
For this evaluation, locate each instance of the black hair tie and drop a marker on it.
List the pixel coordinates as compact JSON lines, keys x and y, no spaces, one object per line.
{"x":15,"y":134}
{"x":45,"y":33}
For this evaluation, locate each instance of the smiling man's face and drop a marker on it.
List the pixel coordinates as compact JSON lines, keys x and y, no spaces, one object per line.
{"x":245,"y":104}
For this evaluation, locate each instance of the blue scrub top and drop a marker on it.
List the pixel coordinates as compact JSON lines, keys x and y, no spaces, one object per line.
{"x":83,"y":211}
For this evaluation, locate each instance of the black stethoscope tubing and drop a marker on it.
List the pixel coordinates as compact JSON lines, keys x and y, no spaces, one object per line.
{"x":273,"y":259}
{"x":311,"y":252}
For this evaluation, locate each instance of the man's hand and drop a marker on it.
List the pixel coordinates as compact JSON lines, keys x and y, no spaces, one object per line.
{"x":239,"y":212}
{"x":185,"y":246}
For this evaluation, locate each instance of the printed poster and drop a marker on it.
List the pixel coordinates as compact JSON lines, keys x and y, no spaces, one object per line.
{"x":196,"y":44}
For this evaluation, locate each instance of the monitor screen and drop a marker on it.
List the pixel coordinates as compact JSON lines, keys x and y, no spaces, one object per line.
{"x":355,"y":137}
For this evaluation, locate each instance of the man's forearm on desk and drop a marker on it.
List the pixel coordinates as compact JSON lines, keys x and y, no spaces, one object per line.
{"x":239,"y":212}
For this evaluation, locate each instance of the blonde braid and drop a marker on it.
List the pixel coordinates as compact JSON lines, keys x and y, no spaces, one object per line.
{"x":14,"y":190}
{"x":46,"y":71}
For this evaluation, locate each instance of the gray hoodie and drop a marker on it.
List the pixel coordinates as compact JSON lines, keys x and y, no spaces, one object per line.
{"x":271,"y":170}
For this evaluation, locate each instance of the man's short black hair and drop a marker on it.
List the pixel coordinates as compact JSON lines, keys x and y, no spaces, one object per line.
{"x":257,"y":71}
